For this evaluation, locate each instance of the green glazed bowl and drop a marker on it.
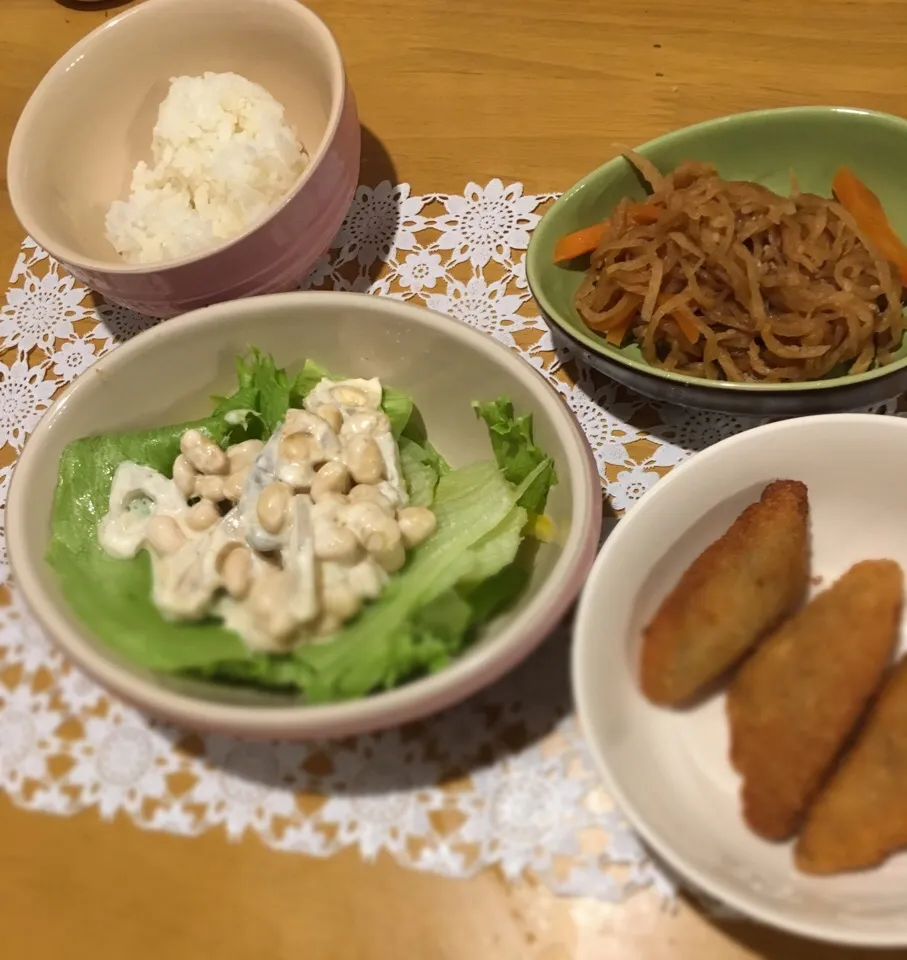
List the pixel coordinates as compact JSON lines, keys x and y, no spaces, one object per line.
{"x":765,"y":146}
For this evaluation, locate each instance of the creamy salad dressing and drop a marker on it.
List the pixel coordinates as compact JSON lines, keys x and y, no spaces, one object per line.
{"x":136,"y":495}
{"x":282,"y":540}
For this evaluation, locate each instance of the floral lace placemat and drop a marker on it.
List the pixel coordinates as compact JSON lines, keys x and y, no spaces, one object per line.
{"x":505,"y":778}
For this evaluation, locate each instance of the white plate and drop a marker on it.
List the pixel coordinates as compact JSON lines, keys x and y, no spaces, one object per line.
{"x":669,"y":770}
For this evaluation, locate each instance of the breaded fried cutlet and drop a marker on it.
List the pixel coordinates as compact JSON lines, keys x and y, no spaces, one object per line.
{"x":795,"y":702}
{"x":732,"y":594}
{"x":860,"y":818}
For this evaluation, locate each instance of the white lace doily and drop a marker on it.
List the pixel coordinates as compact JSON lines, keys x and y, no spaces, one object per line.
{"x":504,"y":779}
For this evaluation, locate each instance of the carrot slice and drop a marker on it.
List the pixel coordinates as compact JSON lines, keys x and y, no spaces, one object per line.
{"x":588,"y":238}
{"x":615,"y":336}
{"x":580,"y":242}
{"x":687,"y":324}
{"x":866,"y":208}
{"x":643,"y":212}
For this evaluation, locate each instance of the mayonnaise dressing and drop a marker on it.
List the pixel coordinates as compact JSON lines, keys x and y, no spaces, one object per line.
{"x":331,"y":550}
{"x":136,"y":495}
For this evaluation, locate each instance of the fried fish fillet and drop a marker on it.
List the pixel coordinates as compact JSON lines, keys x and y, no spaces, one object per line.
{"x":795,"y":702}
{"x":733,"y":593}
{"x":860,"y":818}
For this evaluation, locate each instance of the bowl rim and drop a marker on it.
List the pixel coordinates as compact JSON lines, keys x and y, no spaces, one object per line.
{"x":534,"y":267}
{"x":430,"y":694}
{"x":587,"y":631}
{"x":17,"y":157}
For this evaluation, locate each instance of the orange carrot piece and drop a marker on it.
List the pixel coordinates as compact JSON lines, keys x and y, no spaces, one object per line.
{"x":866,"y":208}
{"x":687,"y":324}
{"x":615,"y":336}
{"x":643,"y":213}
{"x":588,"y":238}
{"x":580,"y":242}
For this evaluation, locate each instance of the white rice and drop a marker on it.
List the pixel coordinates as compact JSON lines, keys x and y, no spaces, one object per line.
{"x":223,"y":155}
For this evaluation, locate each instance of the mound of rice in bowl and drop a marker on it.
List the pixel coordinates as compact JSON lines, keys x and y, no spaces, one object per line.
{"x":222,"y":156}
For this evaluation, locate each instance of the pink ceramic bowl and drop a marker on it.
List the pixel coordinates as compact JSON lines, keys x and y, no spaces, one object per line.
{"x":91,"y":118}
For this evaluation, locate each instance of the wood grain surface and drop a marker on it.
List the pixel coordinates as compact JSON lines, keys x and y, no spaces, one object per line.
{"x":449,"y":91}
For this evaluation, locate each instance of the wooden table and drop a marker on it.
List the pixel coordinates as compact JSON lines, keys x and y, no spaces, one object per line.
{"x":449,"y":91}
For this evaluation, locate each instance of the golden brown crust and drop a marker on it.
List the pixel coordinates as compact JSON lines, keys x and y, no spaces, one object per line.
{"x":795,"y":702}
{"x":737,"y":590}
{"x":860,"y":818}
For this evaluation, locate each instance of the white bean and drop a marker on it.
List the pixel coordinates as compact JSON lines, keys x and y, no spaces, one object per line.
{"x":333,"y":542}
{"x":364,"y":460}
{"x":202,"y":515}
{"x":364,"y":492}
{"x":341,"y":601}
{"x":333,"y":477}
{"x":331,"y":416}
{"x":210,"y":487}
{"x":377,"y":532}
{"x":335,"y":499}
{"x":367,"y":423}
{"x":297,"y":449}
{"x":164,"y":535}
{"x":184,"y":476}
{"x":236,"y":572}
{"x":416,"y":524}
{"x":367,"y":579}
{"x":267,"y":598}
{"x":273,"y":503}
{"x":349,"y":396}
{"x":233,"y":484}
{"x":243,"y":454}
{"x":203,"y":453}
{"x":391,"y":560}
{"x":328,"y":624}
{"x":281,"y":626}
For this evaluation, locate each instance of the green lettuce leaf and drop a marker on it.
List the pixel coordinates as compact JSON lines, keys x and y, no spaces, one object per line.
{"x":399,"y":633}
{"x":515,"y":451}
{"x":113,"y":597}
{"x":497,"y":548}
{"x":493,"y":596}
{"x":263,"y":388}
{"x":426,"y":614}
{"x":421,"y":471}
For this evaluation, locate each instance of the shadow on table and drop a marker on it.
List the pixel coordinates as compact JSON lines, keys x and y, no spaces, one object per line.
{"x":696,"y":430}
{"x":118,"y":322}
{"x":377,"y":164}
{"x":503,"y":721}
{"x":686,"y":427}
{"x":364,"y":245}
